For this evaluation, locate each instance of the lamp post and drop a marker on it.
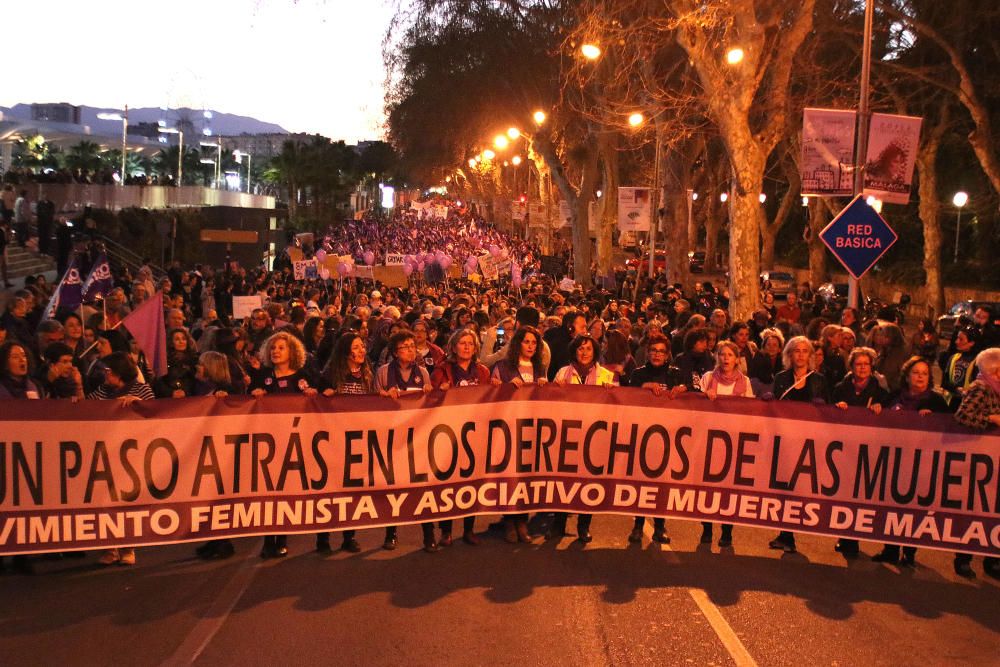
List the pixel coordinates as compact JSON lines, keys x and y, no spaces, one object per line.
{"x":239,"y":158}
{"x":217,"y":145}
{"x":861,"y":145}
{"x":180,"y":151}
{"x":959,"y":200}
{"x":123,"y":117}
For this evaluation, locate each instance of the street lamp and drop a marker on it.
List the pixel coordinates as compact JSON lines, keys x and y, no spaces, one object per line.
{"x":217,"y":144}
{"x":180,"y":151}
{"x":516,"y":160}
{"x":539,"y":117}
{"x":724,"y":197}
{"x":513,"y":133}
{"x":239,"y":158}
{"x":124,"y":119}
{"x":591,"y":51}
{"x":501,"y":142}
{"x":959,"y":200}
{"x":735,"y":56}
{"x":636,"y":119}
{"x":488,"y":154}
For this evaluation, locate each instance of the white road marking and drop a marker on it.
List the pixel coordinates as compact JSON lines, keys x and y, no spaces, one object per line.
{"x":215,"y":616}
{"x":730,"y":640}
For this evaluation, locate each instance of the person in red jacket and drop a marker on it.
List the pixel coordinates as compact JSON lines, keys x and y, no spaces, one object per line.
{"x":461,"y":369}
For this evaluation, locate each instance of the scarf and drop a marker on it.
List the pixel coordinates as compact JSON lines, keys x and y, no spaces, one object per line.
{"x":395,"y":377}
{"x":737,"y":380}
{"x":911,"y":401}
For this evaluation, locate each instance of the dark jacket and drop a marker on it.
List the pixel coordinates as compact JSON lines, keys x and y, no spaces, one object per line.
{"x":816,"y":387}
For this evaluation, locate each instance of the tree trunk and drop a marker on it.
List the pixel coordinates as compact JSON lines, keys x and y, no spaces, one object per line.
{"x":817,"y":250}
{"x":930,"y":216}
{"x":581,"y":218}
{"x":768,"y":235}
{"x":745,"y":222}
{"x":608,"y":205}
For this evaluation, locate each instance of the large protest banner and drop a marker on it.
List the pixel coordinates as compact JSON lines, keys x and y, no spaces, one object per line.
{"x":86,"y":476}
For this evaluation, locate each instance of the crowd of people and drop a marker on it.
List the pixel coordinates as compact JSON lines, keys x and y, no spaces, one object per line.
{"x":335,"y":337}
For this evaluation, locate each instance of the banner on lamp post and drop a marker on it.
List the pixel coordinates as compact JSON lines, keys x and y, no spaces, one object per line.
{"x":892,"y":153}
{"x":634,"y":209}
{"x":828,"y":152}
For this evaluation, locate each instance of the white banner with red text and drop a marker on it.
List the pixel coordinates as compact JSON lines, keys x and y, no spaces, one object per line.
{"x":95,"y":474}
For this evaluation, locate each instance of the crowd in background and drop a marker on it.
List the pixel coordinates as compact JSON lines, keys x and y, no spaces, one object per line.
{"x":335,"y":336}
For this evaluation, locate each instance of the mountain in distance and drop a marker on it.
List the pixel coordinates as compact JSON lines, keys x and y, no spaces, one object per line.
{"x":225,"y":124}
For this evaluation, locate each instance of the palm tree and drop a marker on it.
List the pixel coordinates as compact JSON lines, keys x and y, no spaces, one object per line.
{"x":85,"y":156}
{"x":288,"y":169}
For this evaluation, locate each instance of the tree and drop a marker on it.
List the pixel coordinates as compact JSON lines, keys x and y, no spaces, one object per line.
{"x":85,"y":155}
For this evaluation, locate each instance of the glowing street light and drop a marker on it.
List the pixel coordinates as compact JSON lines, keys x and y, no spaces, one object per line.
{"x":591,"y":51}
{"x":516,"y":160}
{"x":539,"y":117}
{"x":124,"y":119}
{"x":239,"y":158}
{"x":636,"y":119}
{"x":762,"y":197}
{"x":694,"y":196}
{"x":724,"y":197}
{"x":959,"y":200}
{"x":501,"y":142}
{"x":488,"y":154}
{"x":513,"y":133}
{"x":874,"y":202}
{"x":472,"y":163}
{"x":735,"y":56}
{"x":180,"y":150}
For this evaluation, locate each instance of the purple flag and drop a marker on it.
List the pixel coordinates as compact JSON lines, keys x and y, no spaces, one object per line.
{"x":99,"y":283}
{"x":146,"y":325}
{"x":68,"y":294}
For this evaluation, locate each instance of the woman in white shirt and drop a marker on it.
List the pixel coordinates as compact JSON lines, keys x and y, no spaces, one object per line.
{"x":726,"y":379}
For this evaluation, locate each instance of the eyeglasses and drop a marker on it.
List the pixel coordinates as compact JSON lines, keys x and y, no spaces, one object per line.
{"x":657,"y":350}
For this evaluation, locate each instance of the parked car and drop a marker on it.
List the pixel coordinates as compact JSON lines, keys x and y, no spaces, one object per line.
{"x":641,"y":264}
{"x":696,"y":261}
{"x":963,"y":310}
{"x":833,"y":296}
{"x":781,"y":282}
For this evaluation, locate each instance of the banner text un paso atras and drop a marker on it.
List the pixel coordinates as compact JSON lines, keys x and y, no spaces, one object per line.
{"x":91,"y":475}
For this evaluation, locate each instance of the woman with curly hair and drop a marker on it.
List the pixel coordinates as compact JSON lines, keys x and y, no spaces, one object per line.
{"x":282,"y":371}
{"x":182,"y":357}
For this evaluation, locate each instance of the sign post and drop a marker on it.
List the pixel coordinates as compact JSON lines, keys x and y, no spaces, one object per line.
{"x":858,"y":237}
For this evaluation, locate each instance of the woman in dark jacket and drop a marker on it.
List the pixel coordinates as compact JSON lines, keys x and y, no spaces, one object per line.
{"x":916,"y":394}
{"x":182,"y":357}
{"x":282,"y":358}
{"x":859,"y":388}
{"x":696,"y":360}
{"x":461,"y":369}
{"x":767,"y":362}
{"x":212,"y":378}
{"x":798,"y":382}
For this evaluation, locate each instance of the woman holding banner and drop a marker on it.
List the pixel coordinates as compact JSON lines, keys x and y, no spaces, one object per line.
{"x":348,"y":374}
{"x":916,"y":394}
{"x":16,"y":383}
{"x":121,"y":382}
{"x":859,"y":388}
{"x":400,"y":376}
{"x":282,"y":371}
{"x":980,"y":409}
{"x":461,"y":369}
{"x":583,"y":369}
{"x":798,"y":382}
{"x":523,"y":365}
{"x":726,"y":379}
{"x":659,"y":377}
{"x":213,"y":378}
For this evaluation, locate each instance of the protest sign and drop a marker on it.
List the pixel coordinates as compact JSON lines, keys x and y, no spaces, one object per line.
{"x":634,"y":209}
{"x":306,"y":269}
{"x":244,"y":305}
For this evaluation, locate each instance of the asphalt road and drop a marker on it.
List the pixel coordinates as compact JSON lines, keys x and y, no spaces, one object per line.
{"x":547,"y":603}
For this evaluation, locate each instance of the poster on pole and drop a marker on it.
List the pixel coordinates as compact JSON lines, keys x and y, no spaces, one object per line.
{"x":633,"y":209}
{"x":593,"y":218}
{"x":892,"y":153}
{"x":536,"y":214}
{"x":565,"y":215}
{"x":828,"y":152}
{"x":518,"y":209}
